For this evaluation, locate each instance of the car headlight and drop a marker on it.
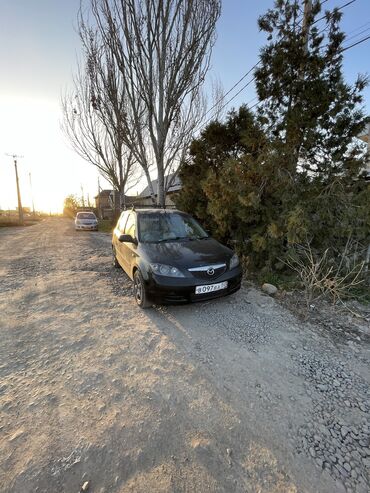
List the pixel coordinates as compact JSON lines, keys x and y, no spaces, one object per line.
{"x":166,"y":270}
{"x":234,"y":262}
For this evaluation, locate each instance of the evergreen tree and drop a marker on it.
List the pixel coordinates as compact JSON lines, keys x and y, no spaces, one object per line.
{"x":302,"y":181}
{"x":218,"y":143}
{"x":309,"y":112}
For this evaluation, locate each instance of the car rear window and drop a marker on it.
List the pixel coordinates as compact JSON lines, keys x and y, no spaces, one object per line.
{"x":86,"y":215}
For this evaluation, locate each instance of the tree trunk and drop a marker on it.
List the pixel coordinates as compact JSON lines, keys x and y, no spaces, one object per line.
{"x":122,"y":198}
{"x":161,"y":194}
{"x":150,"y":185}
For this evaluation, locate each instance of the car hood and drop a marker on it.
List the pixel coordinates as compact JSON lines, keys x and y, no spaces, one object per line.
{"x":187,"y":253}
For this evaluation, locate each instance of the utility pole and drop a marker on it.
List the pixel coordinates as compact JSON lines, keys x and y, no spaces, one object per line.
{"x":20,"y":209}
{"x":82,"y":196}
{"x":100,"y":213}
{"x":305,"y":23}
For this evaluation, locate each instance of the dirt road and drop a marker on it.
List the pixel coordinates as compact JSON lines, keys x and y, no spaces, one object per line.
{"x":233,"y":395}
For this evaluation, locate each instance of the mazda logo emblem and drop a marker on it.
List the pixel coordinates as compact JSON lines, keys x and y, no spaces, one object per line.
{"x":210,"y":272}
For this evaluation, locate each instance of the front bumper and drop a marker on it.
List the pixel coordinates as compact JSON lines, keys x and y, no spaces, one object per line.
{"x":87,"y":227}
{"x":162,"y":289}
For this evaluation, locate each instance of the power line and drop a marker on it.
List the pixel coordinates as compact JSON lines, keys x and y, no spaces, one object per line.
{"x":330,"y":13}
{"x":256,"y":64}
{"x":231,"y":99}
{"x":358,"y":34}
{"x":246,"y":75}
{"x":359,"y":27}
{"x":232,"y":88}
{"x":355,"y":44}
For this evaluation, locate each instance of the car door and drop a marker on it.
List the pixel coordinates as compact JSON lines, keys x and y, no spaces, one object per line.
{"x":118,"y":231}
{"x":128,"y":250}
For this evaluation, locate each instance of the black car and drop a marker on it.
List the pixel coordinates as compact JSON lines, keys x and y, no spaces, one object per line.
{"x":171,"y":259}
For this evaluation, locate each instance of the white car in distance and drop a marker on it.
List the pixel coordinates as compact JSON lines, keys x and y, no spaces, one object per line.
{"x":86,"y":221}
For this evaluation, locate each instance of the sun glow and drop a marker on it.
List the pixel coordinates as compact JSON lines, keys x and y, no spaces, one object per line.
{"x":31,"y":128}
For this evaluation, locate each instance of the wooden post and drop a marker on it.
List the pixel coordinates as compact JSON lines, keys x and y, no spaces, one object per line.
{"x":20,"y":209}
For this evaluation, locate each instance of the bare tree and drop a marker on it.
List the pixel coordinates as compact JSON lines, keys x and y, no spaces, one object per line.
{"x":93,"y":114}
{"x":218,"y":100}
{"x":162,"y":50}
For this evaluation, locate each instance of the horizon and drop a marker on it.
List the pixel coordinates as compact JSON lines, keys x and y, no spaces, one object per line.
{"x":39,"y":55}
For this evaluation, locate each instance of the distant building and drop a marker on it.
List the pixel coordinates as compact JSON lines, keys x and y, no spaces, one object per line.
{"x":108,"y":203}
{"x":173,"y":183}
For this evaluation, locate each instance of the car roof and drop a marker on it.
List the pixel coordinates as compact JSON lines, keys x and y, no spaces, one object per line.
{"x":156,"y":211}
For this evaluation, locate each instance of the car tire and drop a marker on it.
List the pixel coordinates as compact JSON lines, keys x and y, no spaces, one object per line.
{"x":140,"y":293}
{"x":115,"y":261}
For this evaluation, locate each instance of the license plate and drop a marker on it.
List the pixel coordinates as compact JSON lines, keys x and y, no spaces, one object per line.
{"x":209,"y":288}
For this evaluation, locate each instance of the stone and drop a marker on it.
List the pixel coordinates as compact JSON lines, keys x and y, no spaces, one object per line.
{"x":366,"y":462}
{"x":322,"y":387}
{"x":312,"y":452}
{"x":347,"y":466}
{"x":269,"y":288}
{"x":16,"y":435}
{"x":85,"y":486}
{"x":343,"y":472}
{"x":344,"y":431}
{"x":356,"y":455}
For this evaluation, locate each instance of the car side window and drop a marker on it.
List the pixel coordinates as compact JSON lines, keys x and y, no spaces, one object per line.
{"x":130,"y":228}
{"x":122,"y":222}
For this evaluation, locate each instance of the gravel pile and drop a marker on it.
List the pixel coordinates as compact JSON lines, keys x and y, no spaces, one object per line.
{"x":338,"y":447}
{"x":242,"y":327}
{"x":331,"y":379}
{"x":337,"y":435}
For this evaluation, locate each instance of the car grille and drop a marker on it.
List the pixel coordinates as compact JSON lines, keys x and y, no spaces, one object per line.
{"x":208,"y":272}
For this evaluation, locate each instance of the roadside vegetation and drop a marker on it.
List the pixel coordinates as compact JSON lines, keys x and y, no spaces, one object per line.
{"x":284,"y":183}
{"x":11,"y":218}
{"x":106,"y":225}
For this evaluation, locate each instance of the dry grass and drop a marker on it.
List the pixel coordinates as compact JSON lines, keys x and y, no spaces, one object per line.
{"x":10,"y":221}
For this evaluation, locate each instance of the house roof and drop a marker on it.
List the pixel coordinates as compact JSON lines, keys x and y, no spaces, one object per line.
{"x":103,"y":193}
{"x":173,"y":179}
{"x":108,"y":193}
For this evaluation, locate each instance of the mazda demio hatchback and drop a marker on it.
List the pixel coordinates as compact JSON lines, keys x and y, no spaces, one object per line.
{"x":171,"y":259}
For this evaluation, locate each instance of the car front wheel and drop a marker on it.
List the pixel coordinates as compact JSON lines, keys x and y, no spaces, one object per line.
{"x":140,"y":291}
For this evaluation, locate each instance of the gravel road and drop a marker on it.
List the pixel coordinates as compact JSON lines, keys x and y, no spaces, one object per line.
{"x":232,"y":395}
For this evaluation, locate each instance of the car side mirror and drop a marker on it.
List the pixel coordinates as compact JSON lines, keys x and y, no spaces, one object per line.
{"x":127,"y":239}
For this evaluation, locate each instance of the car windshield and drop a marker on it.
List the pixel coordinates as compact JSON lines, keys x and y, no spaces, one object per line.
{"x":85,"y":215}
{"x":158,"y":227}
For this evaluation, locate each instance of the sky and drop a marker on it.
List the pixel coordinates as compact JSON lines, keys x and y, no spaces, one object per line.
{"x":39,"y":47}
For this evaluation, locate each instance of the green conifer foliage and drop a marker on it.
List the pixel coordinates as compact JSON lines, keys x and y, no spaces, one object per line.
{"x":291,"y":173}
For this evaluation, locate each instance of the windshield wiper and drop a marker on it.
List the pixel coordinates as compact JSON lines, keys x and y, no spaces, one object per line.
{"x":193,"y":238}
{"x":174,"y":239}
